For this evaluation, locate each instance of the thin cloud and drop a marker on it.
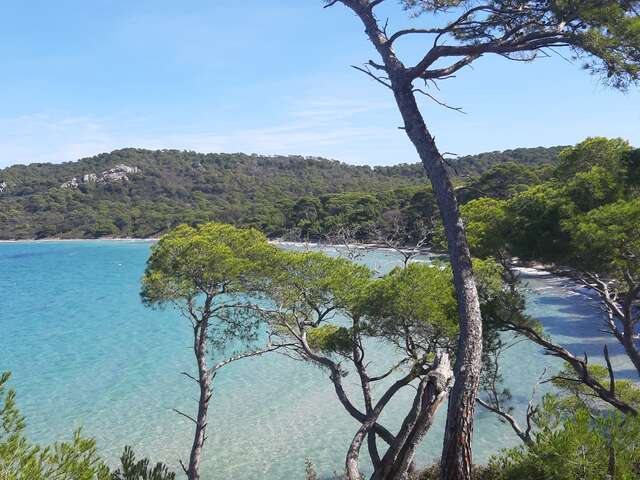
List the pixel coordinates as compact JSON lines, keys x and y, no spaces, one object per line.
{"x":327,"y":127}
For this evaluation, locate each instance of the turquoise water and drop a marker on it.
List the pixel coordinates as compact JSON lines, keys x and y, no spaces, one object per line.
{"x":85,"y":352}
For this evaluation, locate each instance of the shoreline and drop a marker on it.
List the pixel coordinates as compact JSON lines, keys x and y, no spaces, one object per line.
{"x":528,"y":269}
{"x":108,"y":239}
{"x":276,"y":241}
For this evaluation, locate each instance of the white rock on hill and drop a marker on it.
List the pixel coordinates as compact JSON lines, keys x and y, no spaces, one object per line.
{"x":115,"y":174}
{"x":3,"y":186}
{"x":73,"y":183}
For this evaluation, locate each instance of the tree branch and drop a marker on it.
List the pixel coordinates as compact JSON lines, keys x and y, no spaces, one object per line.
{"x":508,"y":418}
{"x":375,"y":77}
{"x":579,"y":366}
{"x":184,"y":415}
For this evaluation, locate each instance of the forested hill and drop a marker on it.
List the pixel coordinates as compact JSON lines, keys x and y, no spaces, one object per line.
{"x":473,"y":165}
{"x":142,"y":193}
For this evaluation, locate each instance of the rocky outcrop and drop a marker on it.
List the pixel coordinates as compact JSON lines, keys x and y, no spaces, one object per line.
{"x":119,"y":173}
{"x":73,"y":183}
{"x":3,"y":186}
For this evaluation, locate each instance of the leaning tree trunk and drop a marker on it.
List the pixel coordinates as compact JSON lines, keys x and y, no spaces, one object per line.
{"x":628,"y":340}
{"x":456,"y":454}
{"x":431,"y":393}
{"x":204,"y":381}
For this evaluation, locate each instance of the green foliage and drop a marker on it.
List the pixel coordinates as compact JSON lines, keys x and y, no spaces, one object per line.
{"x":338,"y":302}
{"x":212,"y":273}
{"x":419,"y":298}
{"x":21,"y":460}
{"x":605,"y":33}
{"x":486,"y":224}
{"x":535,"y":217}
{"x":585,"y":215}
{"x":500,"y":181}
{"x":631,"y":165}
{"x":594,"y":188}
{"x":75,"y":460}
{"x":607,"y":239}
{"x":592,"y":152}
{"x":210,"y":259}
{"x":611,"y":33}
{"x":528,"y":157}
{"x":306,"y":281}
{"x":575,"y":395}
{"x":579,"y":446}
{"x":331,"y":339}
{"x":132,"y":469}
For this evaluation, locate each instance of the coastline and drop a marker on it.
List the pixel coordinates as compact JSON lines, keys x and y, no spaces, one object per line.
{"x":102,"y":239}
{"x":275,"y":241}
{"x":525,"y":268}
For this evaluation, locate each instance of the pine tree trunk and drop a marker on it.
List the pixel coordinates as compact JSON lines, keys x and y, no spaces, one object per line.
{"x":456,"y":455}
{"x":204,"y":380}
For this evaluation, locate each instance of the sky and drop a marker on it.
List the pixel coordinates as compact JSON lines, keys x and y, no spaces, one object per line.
{"x":79,"y":78}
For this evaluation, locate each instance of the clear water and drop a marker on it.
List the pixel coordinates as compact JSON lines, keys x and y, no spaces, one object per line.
{"x":85,"y":353}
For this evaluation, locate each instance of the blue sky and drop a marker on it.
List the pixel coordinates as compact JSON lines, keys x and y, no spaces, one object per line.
{"x":80,"y":78}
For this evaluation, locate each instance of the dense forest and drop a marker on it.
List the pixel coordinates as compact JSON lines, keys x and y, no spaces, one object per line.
{"x":589,"y":200}
{"x":143,"y":193}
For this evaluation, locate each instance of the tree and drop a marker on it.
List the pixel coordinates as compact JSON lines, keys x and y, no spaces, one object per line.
{"x":130,"y":469}
{"x":535,"y":218}
{"x":602,"y":152}
{"x":334,"y":314}
{"x":572,"y":433}
{"x":398,"y":235}
{"x":500,"y":181}
{"x":209,"y":274}
{"x":606,"y":242}
{"x":487,"y":229}
{"x":604,"y":251}
{"x":574,"y":446}
{"x":21,"y":460}
{"x":594,"y":188}
{"x":606,"y":32}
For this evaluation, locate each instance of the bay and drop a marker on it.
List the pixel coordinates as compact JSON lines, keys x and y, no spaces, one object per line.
{"x":84,"y":352}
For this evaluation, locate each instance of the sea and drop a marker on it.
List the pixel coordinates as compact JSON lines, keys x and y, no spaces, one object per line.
{"x":84,"y":353}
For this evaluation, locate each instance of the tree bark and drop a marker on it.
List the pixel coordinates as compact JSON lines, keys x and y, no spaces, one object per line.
{"x":204,"y":381}
{"x":432,"y":391}
{"x":629,"y":322}
{"x":630,"y":347}
{"x":625,"y":312}
{"x":358,"y":357}
{"x":456,"y":459}
{"x":353,"y":454}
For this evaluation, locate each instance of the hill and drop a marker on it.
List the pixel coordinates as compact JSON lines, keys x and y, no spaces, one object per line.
{"x":474,"y":165}
{"x":141,"y":193}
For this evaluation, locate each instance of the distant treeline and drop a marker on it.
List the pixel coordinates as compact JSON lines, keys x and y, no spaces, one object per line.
{"x":285,"y":196}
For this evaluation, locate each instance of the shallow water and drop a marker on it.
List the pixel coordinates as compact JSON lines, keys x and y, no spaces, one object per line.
{"x":85,"y":352}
